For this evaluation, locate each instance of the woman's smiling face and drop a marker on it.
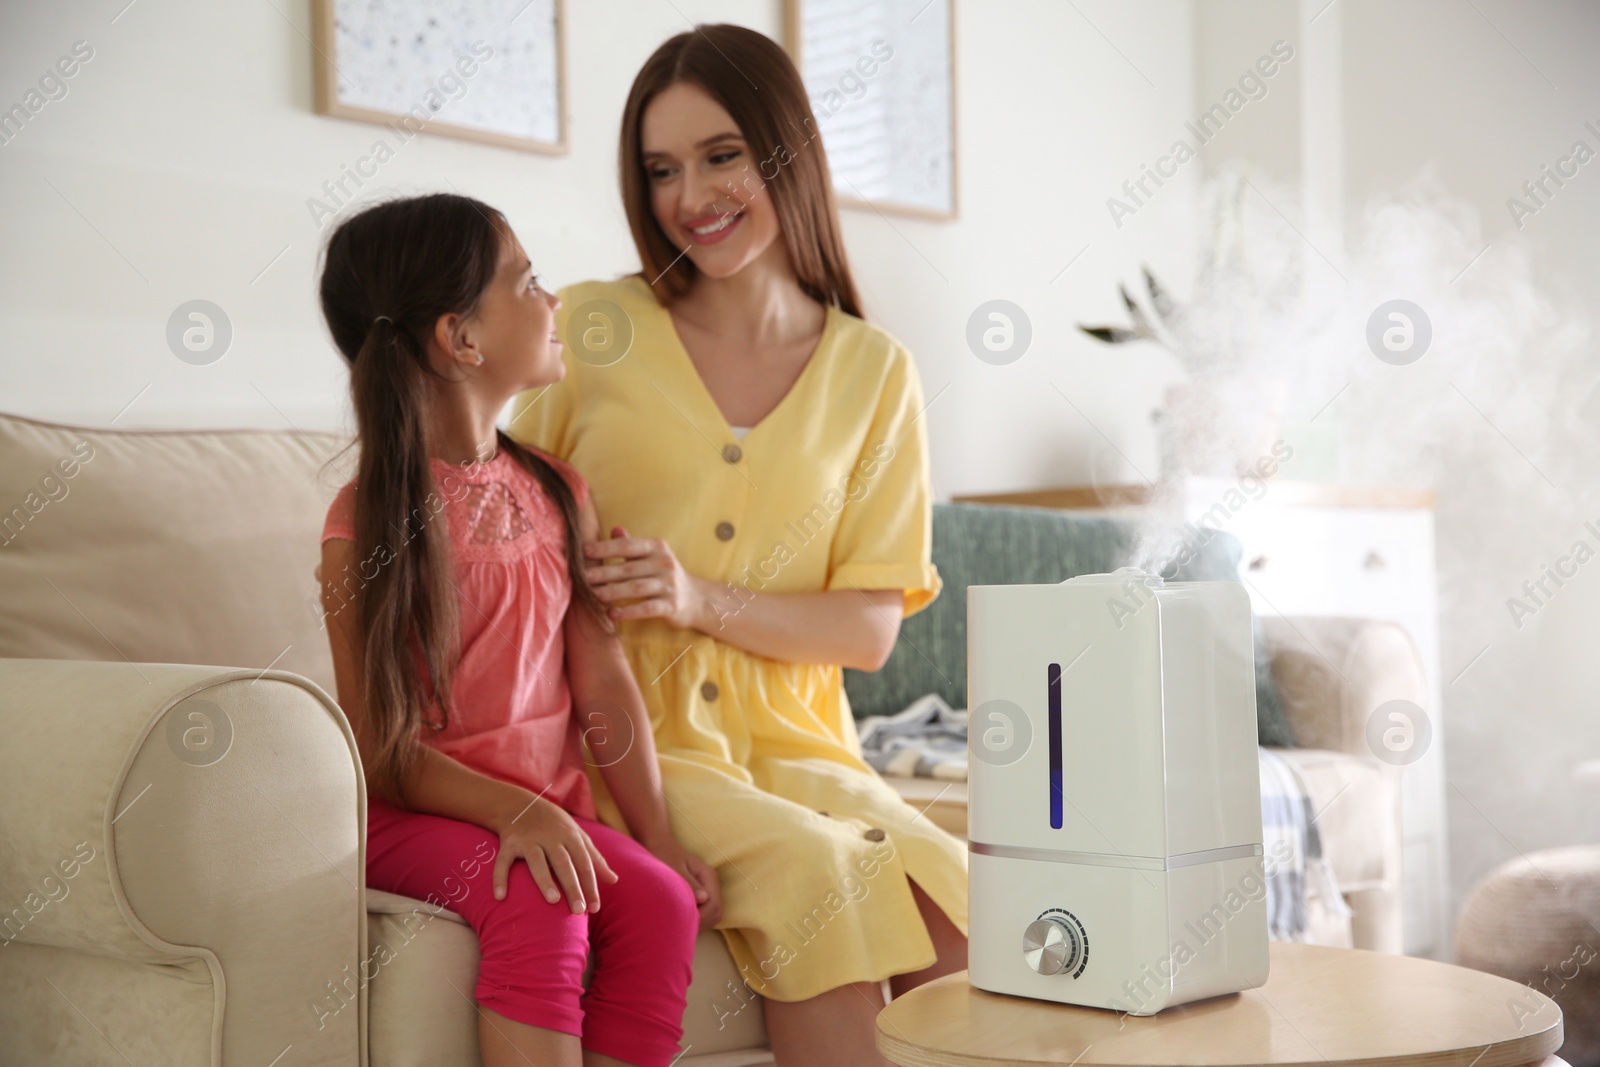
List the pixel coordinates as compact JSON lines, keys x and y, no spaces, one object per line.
{"x":705,"y":183}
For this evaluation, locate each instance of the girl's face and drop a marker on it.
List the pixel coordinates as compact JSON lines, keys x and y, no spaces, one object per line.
{"x":516,"y":325}
{"x":706,"y":185}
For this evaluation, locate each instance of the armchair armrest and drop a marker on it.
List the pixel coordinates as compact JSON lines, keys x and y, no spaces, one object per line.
{"x":181,"y":866}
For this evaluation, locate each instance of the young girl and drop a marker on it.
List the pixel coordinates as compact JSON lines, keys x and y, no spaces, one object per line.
{"x":448,"y":568}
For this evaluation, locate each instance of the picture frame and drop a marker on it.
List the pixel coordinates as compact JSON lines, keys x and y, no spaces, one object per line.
{"x":393,"y":65}
{"x":888,"y":121}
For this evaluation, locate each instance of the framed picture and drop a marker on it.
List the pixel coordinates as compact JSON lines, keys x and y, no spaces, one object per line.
{"x":881,"y":76}
{"x":482,"y":70}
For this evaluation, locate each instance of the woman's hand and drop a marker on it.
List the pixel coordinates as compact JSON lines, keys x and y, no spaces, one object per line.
{"x":556,"y":849}
{"x":648,"y":573}
{"x":700,"y":876}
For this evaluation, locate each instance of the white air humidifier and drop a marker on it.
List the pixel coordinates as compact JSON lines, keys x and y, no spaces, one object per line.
{"x":1114,"y":815}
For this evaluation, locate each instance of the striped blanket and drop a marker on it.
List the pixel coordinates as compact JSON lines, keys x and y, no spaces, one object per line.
{"x":929,"y":740}
{"x":1292,"y":850}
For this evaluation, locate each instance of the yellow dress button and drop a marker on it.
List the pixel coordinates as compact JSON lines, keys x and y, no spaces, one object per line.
{"x":732,"y":453}
{"x":709,"y":690}
{"x":724,"y":531}
{"x":874,"y":834}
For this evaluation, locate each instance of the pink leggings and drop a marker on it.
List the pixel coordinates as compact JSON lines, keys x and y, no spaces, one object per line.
{"x":534,"y":952}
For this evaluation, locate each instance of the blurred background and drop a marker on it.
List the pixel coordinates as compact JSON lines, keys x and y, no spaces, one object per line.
{"x":1439,"y":153}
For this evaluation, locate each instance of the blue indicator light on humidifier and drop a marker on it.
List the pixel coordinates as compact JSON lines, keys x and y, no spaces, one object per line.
{"x":1054,"y":681}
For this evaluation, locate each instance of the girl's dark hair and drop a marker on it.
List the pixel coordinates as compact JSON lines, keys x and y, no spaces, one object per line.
{"x":774,"y":118}
{"x":390,"y":271}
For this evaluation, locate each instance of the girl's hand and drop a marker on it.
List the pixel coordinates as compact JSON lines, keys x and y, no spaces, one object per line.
{"x":700,"y":876}
{"x":648,"y":572}
{"x":556,"y":849}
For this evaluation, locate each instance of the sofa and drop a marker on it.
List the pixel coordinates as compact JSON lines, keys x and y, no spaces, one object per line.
{"x":182,"y":809}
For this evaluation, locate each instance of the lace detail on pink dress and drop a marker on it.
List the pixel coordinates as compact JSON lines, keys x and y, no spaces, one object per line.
{"x":496,"y":512}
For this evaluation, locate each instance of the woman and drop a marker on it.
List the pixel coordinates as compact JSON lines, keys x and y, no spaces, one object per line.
{"x":756,"y":452}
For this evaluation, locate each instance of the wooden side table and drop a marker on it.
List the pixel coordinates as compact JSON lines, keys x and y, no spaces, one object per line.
{"x":1320,"y":1006}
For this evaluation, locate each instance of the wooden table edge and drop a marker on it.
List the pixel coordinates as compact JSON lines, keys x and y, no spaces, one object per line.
{"x":913,"y":1056}
{"x":1533,"y":1049}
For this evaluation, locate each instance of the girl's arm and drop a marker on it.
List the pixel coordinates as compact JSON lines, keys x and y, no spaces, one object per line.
{"x":616,"y":728}
{"x":441,"y":785}
{"x":851,"y":627}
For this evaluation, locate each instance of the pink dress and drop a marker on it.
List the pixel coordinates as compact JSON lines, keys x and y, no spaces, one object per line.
{"x":512,"y":717}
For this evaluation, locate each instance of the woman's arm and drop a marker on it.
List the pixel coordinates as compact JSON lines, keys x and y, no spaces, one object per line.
{"x":616,"y":728}
{"x":852,"y":627}
{"x":441,"y":785}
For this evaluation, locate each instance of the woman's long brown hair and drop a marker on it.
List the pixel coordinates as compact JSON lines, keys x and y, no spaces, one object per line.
{"x":413,"y":260}
{"x":775,"y":119}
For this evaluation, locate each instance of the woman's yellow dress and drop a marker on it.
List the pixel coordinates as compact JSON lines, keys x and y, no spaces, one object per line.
{"x":760,"y":760}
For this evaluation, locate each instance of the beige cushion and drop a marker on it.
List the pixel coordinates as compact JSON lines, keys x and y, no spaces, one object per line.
{"x":426,"y":958}
{"x":193,"y":547}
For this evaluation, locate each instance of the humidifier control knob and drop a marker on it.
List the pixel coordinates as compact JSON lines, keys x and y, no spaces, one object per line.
{"x":1051,"y":946}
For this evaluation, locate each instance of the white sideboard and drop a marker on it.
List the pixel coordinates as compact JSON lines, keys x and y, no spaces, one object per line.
{"x":1327,"y":550}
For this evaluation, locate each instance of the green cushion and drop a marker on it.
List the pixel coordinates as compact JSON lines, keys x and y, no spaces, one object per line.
{"x":980,"y":544}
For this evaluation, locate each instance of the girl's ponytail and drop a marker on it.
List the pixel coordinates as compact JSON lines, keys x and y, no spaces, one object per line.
{"x":407,"y":611}
{"x":390,"y":272}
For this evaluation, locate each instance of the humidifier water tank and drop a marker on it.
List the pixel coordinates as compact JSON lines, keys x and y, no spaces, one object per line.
{"x":1114,"y":816}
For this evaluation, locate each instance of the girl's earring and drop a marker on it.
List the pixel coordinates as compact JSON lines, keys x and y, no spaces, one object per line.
{"x":480,"y":357}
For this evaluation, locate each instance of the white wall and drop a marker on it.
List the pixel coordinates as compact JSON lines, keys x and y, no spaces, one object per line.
{"x":1056,"y":111}
{"x":188,"y":149}
{"x":180,"y":162}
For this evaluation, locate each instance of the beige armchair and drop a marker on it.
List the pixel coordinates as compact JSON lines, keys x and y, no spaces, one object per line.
{"x":181,"y":846}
